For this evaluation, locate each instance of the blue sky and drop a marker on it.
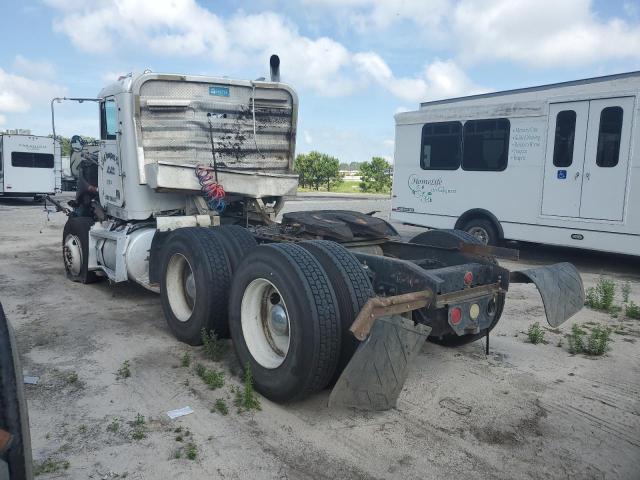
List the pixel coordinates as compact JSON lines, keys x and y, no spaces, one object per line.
{"x":354,"y":63}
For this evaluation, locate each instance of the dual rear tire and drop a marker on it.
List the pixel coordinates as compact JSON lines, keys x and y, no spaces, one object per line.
{"x":290,"y":309}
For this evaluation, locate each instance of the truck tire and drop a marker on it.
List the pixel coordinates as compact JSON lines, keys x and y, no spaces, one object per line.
{"x":14,"y":417}
{"x":352,"y":288}
{"x":284,"y":321}
{"x":194,"y":284}
{"x":482,"y":229}
{"x":238,"y":243}
{"x":450,"y":238}
{"x":75,"y":249}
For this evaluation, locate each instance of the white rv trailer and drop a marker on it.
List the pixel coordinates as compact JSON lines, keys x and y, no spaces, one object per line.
{"x":29,"y":165}
{"x":556,"y":164}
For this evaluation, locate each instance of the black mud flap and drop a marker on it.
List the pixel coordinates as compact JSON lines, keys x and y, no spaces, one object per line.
{"x":15,"y":441}
{"x":560,"y":287}
{"x":374,"y":377}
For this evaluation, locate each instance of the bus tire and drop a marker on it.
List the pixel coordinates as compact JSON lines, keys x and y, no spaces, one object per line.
{"x":482,"y":229}
{"x":194,"y":284}
{"x":284,"y":321}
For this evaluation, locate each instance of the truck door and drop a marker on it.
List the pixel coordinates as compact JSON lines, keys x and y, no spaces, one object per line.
{"x":563,"y":169}
{"x":606,"y":161}
{"x":110,"y":171}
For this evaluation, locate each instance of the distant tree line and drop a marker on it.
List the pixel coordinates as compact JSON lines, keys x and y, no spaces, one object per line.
{"x":319,"y":170}
{"x":65,"y":143}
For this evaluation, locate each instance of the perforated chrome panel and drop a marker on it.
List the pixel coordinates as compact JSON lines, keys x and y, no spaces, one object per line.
{"x":175,"y":128}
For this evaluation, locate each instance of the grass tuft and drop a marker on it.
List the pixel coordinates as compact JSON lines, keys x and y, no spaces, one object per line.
{"x":602,"y":295}
{"x":50,"y":465}
{"x":535,"y":333}
{"x":596,"y":343}
{"x":632,"y":310}
{"x":124,"y":371}
{"x":185,"y":361}
{"x":211,"y":378}
{"x":220,"y":406}
{"x":214,"y":348}
{"x":247,"y":399}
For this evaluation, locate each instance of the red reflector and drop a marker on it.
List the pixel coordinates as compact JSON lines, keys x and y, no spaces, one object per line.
{"x":456,"y":315}
{"x":468,"y":278}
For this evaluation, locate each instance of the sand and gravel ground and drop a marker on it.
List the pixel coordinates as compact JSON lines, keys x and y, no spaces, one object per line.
{"x":525,"y":411}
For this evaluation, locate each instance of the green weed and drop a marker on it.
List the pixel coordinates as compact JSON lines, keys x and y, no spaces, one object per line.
{"x":211,"y":378}
{"x":191,"y":451}
{"x":602,"y":295}
{"x":246,"y":399}
{"x":535,"y":333}
{"x":632,"y":310}
{"x":220,"y":406}
{"x":214,"y":348}
{"x":185,"y":361}
{"x":124,"y":371}
{"x":114,"y":426}
{"x":50,"y":465}
{"x":595,"y":343}
{"x":626,"y":291}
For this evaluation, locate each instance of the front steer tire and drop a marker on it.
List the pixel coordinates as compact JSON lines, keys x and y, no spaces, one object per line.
{"x":75,"y":250}
{"x":194,"y":284}
{"x":302,"y":359}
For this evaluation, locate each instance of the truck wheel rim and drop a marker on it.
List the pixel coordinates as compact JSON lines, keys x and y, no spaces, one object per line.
{"x":265,"y":323}
{"x":181,"y":288}
{"x":72,"y":252}
{"x":480,"y":233}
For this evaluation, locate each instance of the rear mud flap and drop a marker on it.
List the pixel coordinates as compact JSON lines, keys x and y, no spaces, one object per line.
{"x":374,"y":377}
{"x":560,"y":287}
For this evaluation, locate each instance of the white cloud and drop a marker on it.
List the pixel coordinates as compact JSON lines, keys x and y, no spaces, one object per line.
{"x":439,"y":79}
{"x":541,"y":33}
{"x":33,"y":68}
{"x":19,"y":93}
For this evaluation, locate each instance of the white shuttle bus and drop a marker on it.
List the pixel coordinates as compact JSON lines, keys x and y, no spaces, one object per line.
{"x":556,"y":164}
{"x":29,"y":165}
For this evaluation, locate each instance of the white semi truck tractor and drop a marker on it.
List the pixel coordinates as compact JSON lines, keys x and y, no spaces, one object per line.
{"x":182,"y":198}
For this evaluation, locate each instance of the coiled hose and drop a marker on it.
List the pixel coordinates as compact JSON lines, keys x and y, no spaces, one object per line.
{"x":211,"y":190}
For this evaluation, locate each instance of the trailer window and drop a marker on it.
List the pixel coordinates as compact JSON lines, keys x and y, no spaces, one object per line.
{"x":565,"y":135}
{"x":108,"y":120}
{"x":441,"y":146}
{"x":31,"y":160}
{"x":486,"y":144}
{"x":609,"y":137}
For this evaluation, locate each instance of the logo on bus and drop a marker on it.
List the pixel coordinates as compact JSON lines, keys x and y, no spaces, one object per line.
{"x":425,"y":189}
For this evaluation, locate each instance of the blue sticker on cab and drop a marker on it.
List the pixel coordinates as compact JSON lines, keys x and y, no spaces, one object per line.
{"x":562,"y":174}
{"x":219,"y":91}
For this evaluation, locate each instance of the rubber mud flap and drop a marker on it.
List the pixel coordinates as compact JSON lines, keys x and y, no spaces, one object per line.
{"x":560,"y":287}
{"x":374,"y":377}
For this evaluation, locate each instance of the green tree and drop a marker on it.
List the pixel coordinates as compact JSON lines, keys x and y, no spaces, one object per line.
{"x":317,"y":169}
{"x":344,"y":166}
{"x":375,"y":175}
{"x":354,"y":166}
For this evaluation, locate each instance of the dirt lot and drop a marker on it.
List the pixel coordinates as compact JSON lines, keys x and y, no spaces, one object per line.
{"x":524,"y":411}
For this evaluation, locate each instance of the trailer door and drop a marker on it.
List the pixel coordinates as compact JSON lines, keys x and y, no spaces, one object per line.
{"x":563,"y":169}
{"x":606,"y":161}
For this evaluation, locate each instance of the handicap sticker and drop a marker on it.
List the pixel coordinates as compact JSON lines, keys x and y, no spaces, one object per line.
{"x":562,"y":174}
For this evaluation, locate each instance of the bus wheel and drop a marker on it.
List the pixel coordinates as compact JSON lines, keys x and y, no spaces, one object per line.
{"x":483,"y":230}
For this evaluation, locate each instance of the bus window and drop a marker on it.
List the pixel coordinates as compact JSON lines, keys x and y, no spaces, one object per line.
{"x":441,"y":146}
{"x":486,"y":144}
{"x":609,"y":137}
{"x":564,"y":138}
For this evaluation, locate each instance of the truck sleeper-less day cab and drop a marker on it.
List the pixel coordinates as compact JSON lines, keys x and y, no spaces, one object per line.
{"x":556,"y":164}
{"x":320,"y":298}
{"x":29,"y":166}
